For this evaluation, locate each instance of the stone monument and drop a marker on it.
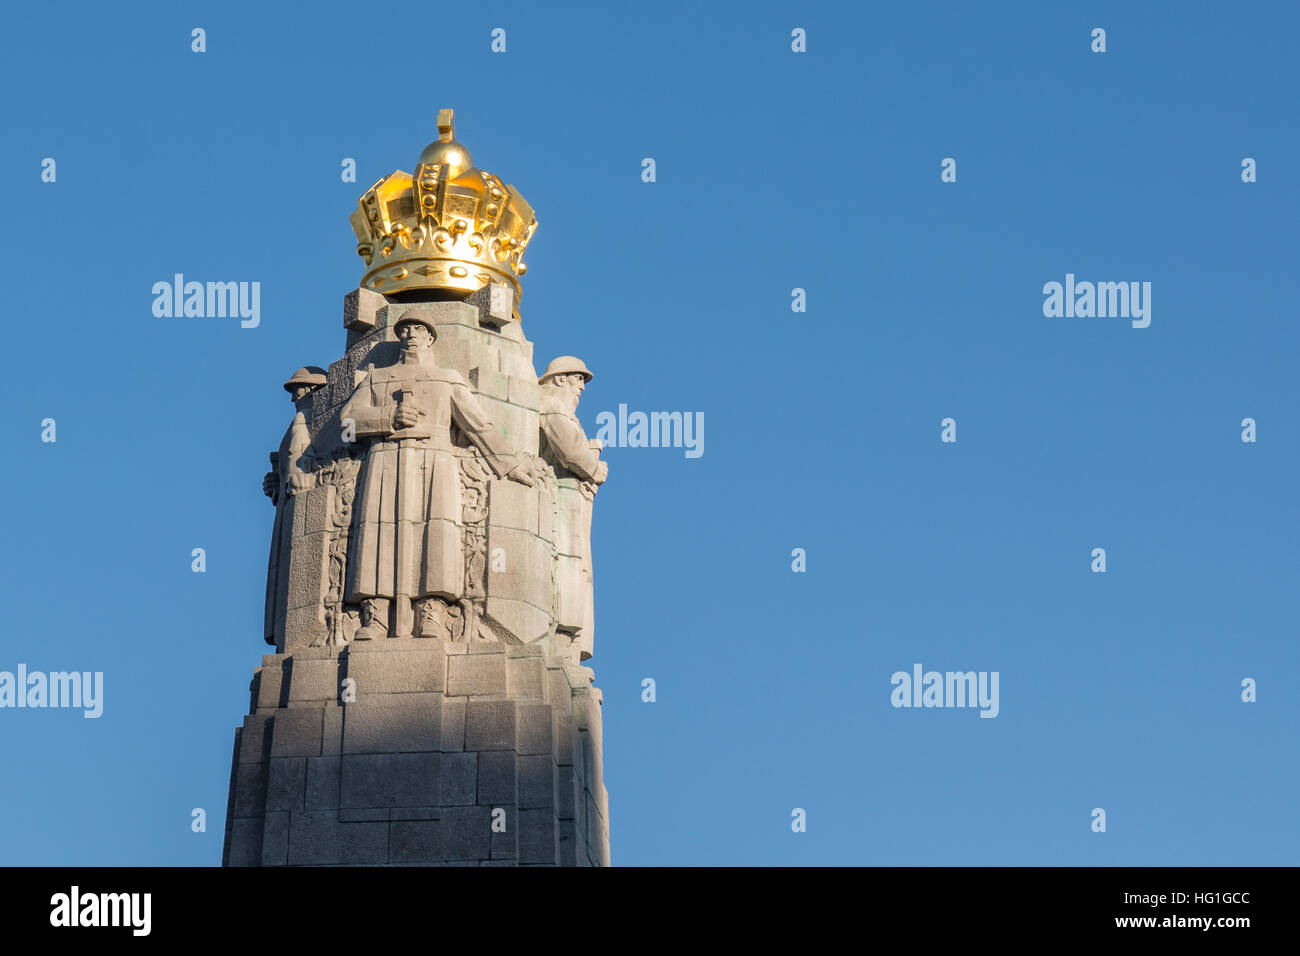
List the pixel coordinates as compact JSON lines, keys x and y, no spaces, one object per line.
{"x":429,"y":589}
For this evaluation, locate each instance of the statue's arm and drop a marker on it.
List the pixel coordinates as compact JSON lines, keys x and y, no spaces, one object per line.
{"x":474,"y":422}
{"x":297,"y":476}
{"x":368,"y":418}
{"x":299,"y":442}
{"x":569,"y":445}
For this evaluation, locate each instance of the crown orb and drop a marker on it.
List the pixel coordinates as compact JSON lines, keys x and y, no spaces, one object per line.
{"x":450,"y":154}
{"x":441,"y":236}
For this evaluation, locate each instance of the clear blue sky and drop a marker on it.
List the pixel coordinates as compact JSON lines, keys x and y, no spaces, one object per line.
{"x":775,"y":170}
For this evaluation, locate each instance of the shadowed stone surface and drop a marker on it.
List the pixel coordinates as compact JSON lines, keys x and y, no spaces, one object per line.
{"x":420,"y":772}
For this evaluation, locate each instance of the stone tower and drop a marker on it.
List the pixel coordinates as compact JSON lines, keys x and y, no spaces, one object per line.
{"x":429,"y":590}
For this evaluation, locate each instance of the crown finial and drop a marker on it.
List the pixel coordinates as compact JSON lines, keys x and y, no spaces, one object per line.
{"x":446,"y":125}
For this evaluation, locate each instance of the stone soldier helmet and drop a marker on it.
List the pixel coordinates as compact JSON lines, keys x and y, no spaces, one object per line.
{"x":307,"y":375}
{"x":418,"y":318}
{"x":566,"y":365}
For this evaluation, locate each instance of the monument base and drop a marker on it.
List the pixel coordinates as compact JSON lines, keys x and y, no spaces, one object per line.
{"x":419,"y":752}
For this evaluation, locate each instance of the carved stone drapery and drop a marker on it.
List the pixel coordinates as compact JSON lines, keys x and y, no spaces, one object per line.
{"x":341,"y":622}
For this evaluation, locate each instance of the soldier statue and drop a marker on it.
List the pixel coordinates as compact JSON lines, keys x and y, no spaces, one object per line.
{"x":406,"y":546}
{"x":287,"y":478}
{"x":579,"y":471}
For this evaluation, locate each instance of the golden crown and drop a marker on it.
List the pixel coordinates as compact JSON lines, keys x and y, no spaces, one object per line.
{"x":450,"y":226}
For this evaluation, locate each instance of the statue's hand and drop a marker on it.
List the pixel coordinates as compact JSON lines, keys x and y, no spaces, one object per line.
{"x":602,"y":472}
{"x":271,"y":486}
{"x":406,"y":416}
{"x":538,"y":469}
{"x":522,"y":473}
{"x":300,"y":481}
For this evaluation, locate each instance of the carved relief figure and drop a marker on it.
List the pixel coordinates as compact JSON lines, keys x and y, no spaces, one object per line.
{"x":579,"y":471}
{"x":407,"y":553}
{"x":341,"y":623}
{"x":287,"y":478}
